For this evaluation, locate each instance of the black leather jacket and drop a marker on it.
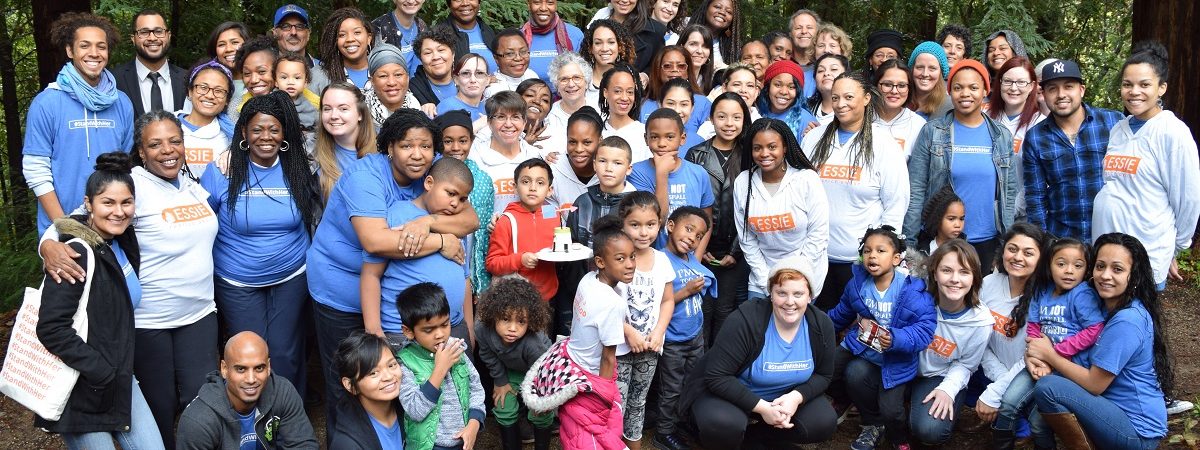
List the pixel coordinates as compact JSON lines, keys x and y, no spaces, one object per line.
{"x":724,"y":239}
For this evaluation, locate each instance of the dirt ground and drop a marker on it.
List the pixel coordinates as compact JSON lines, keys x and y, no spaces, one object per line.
{"x":1182,"y":306}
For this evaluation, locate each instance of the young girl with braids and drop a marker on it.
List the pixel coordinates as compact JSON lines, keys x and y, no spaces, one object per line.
{"x":780,"y":204}
{"x":863,"y":172}
{"x":266,"y":206}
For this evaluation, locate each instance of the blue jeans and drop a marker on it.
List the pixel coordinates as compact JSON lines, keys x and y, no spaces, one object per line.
{"x":143,"y":430}
{"x":925,"y":428}
{"x":273,"y":312}
{"x":1104,"y":422}
{"x":1017,"y":403}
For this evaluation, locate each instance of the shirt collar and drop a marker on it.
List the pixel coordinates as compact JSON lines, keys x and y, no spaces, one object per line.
{"x":143,"y":71}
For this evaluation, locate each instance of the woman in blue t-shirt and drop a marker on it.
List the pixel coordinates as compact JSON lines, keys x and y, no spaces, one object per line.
{"x":1118,"y":401}
{"x":266,"y":206}
{"x":771,"y":362}
{"x":970,"y":151}
{"x":345,"y":43}
{"x":470,"y":80}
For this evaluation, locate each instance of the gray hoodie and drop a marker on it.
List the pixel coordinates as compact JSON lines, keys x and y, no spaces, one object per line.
{"x":958,"y":347}
{"x":209,"y":421}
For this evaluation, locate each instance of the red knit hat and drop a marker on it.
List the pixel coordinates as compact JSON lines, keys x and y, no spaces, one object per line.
{"x":785,"y":66}
{"x":973,"y":65}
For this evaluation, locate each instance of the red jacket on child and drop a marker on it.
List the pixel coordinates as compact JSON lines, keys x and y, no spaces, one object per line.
{"x":533,"y":233}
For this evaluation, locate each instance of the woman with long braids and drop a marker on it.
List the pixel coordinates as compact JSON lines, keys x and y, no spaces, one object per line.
{"x":780,"y":205}
{"x":864,"y":173}
{"x":345,"y":44}
{"x":1118,"y":401}
{"x":175,"y":324}
{"x":267,"y":204}
{"x":724,"y":19}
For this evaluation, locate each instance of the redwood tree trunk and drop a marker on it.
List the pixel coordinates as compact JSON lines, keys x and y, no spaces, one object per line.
{"x":17,"y":194}
{"x":50,"y":57}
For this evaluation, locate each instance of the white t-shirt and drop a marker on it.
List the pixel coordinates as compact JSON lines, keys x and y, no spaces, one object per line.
{"x":904,"y":128}
{"x":1018,"y":134}
{"x":598,"y":321}
{"x":1005,"y":356}
{"x":635,"y":134}
{"x":644,"y":297}
{"x":500,"y":168}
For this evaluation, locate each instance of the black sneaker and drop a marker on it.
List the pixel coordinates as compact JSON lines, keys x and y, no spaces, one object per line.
{"x":669,"y":442}
{"x":868,"y":438}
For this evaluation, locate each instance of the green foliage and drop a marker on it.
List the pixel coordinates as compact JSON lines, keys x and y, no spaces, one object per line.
{"x":1189,"y":267}
{"x":22,"y":266}
{"x":1009,"y":15}
{"x":502,"y":14}
{"x":1189,"y":435}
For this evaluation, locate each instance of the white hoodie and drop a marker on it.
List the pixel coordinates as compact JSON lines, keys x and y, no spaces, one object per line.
{"x":865,"y":197}
{"x":1151,"y":188}
{"x":1005,"y":356}
{"x":957,"y":348}
{"x":794,"y":222}
{"x":202,"y":146}
{"x":904,"y":128}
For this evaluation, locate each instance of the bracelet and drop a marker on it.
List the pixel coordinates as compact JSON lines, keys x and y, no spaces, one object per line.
{"x":442,"y":246}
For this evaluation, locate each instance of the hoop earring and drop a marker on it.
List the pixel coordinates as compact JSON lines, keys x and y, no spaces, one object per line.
{"x":283,"y":147}
{"x":243,"y":145}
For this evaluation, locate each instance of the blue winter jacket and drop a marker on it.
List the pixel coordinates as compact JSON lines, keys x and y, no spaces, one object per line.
{"x":913,"y":322}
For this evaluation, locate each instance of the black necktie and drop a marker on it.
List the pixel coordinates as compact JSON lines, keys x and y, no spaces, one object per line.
{"x":155,"y":91}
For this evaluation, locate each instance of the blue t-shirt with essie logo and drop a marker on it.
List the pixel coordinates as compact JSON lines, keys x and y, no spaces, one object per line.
{"x":477,"y":46}
{"x":688,"y":318}
{"x":973,"y":175}
{"x":781,"y":365}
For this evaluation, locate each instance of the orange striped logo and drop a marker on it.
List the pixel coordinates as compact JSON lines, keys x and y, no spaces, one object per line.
{"x":186,"y":213}
{"x":841,"y":173}
{"x":1126,"y":164}
{"x":505,"y":186}
{"x":942,"y":346}
{"x":779,"y":222}
{"x":198,"y":155}
{"x":1002,"y":322}
{"x":1017,"y":146}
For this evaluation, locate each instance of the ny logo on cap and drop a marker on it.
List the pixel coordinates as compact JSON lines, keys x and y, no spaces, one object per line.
{"x":1059,"y":67}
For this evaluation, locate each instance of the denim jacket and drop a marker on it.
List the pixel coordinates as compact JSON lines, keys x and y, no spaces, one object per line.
{"x":929,"y":171}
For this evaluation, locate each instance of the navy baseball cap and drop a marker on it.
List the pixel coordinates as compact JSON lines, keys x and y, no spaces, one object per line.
{"x":287,"y":10}
{"x":1062,"y":68}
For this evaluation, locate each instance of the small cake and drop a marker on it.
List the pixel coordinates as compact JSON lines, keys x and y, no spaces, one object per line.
{"x":562,"y":240}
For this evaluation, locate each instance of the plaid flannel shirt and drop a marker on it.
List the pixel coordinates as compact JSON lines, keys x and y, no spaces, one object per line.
{"x":1061,"y":178}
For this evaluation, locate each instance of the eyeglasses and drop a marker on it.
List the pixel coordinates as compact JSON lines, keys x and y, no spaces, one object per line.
{"x":157,"y":32}
{"x":204,"y":89}
{"x":468,"y":75}
{"x":577,"y":79}
{"x":513,"y":118}
{"x":1020,"y":84}
{"x":887,"y":86}
{"x":514,"y":54}
{"x":676,"y":66}
{"x":292,"y":26}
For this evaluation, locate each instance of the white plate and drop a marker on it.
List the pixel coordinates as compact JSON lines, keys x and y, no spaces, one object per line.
{"x":577,"y":252}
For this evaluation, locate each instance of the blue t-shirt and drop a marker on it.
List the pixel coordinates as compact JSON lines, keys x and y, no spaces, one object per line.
{"x":810,"y":80}
{"x":358,"y":77}
{"x":688,"y":319}
{"x":264,"y":241}
{"x":1062,"y":316}
{"x":443,"y":91}
{"x":403,"y":273}
{"x":389,"y":437}
{"x":188,"y":125}
{"x":796,"y":117}
{"x":345,"y":157}
{"x":542,"y":50}
{"x":453,"y":102}
{"x":1126,"y":348}
{"x":844,"y":136}
{"x":973,"y":175}
{"x":1135,"y":124}
{"x":131,"y":280}
{"x":60,"y":128}
{"x":407,"y":36}
{"x":781,"y":365}
{"x":249,"y":437}
{"x":701,"y":108}
{"x":688,"y":185}
{"x":882,"y":307}
{"x":477,"y":46}
{"x":334,"y":261}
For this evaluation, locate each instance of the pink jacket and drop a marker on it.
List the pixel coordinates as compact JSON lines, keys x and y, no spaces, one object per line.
{"x":592,"y":420}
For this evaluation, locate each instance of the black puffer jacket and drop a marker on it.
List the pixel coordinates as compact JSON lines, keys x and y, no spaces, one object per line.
{"x":101,"y":399}
{"x":724,"y":240}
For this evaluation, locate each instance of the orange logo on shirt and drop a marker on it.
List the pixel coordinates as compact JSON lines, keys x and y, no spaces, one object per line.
{"x":198,"y":155}
{"x":1002,"y":322}
{"x":1017,"y":146}
{"x":1126,"y":164}
{"x":780,"y":222}
{"x":505,"y":186}
{"x":942,"y":346}
{"x":901,"y":142}
{"x":186,"y":213}
{"x":841,"y":173}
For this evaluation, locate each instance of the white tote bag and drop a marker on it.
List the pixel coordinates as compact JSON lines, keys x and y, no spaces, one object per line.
{"x":32,"y":375}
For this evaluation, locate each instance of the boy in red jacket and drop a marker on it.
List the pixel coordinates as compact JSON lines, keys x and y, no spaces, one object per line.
{"x":526,"y":226}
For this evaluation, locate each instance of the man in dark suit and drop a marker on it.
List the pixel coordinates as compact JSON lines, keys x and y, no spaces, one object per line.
{"x":150,"y":81}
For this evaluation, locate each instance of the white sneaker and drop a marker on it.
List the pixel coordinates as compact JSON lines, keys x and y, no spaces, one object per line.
{"x":1176,"y":406}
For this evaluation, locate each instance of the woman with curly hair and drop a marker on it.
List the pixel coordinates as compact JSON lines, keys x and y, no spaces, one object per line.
{"x":606,"y":43}
{"x":724,"y":19}
{"x":345,"y":43}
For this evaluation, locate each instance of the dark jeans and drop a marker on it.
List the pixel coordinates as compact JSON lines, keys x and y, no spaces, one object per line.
{"x":926,"y":428}
{"x":723,"y":425}
{"x":171,"y":365}
{"x":275,"y":313}
{"x":674,"y":364}
{"x":731,"y":292}
{"x":878,"y":406}
{"x":1103,"y":421}
{"x":332,"y":326}
{"x":835,"y":282}
{"x":987,"y":254}
{"x":562,"y":305}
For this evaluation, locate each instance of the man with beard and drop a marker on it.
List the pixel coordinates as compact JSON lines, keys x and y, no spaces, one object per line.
{"x":244,"y":405}
{"x":1064,"y":157}
{"x":150,"y":80}
{"x":292,"y":31}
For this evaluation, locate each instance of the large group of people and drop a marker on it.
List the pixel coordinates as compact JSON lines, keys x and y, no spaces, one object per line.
{"x":780,"y":231}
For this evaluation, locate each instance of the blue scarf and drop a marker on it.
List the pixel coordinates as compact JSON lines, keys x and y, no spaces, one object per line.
{"x":95,"y":99}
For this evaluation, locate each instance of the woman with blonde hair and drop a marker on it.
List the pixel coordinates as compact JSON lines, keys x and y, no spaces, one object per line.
{"x":344,"y":135}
